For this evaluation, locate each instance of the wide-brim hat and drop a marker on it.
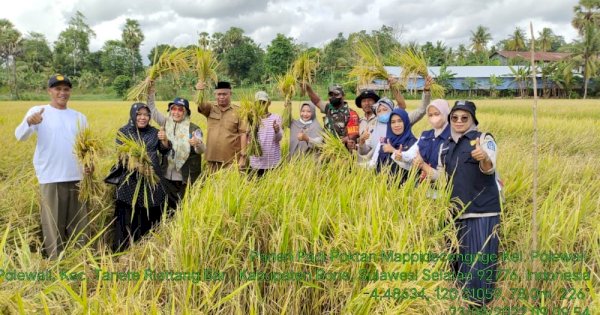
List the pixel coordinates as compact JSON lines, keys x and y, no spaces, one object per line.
{"x":467,"y":106}
{"x":364,"y":95}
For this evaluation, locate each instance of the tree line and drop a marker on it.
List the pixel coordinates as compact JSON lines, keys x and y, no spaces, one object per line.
{"x":28,"y":59}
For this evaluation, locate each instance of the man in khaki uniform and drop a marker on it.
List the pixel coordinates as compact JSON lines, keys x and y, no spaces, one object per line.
{"x":226,"y":140}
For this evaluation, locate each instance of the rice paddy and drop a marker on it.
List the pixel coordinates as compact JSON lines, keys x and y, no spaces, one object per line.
{"x":317,"y":237}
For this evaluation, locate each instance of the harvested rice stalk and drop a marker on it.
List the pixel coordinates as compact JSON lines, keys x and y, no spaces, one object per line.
{"x":286,"y":84}
{"x":333,"y":148}
{"x":413,"y":64}
{"x":305,"y":68}
{"x":205,"y":65}
{"x":369,"y":65}
{"x":173,"y":62}
{"x":134,"y":156}
{"x":86,"y":149}
{"x":252,"y":112}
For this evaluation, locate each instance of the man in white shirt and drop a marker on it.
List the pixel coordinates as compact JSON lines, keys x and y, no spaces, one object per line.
{"x":57,"y":169}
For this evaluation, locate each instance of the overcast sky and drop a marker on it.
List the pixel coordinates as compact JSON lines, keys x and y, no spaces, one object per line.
{"x":178,"y":22}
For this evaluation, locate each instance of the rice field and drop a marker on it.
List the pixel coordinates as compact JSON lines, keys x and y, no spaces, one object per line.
{"x":317,"y":237}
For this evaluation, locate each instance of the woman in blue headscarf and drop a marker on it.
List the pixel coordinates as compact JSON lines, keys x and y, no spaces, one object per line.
{"x":399,"y":139}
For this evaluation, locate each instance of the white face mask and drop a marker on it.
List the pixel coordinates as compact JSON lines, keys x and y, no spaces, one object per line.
{"x":436,"y":122}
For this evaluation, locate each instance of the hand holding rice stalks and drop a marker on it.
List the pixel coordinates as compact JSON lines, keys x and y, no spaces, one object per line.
{"x":305,"y":68}
{"x":286,"y":84}
{"x":134,"y":156}
{"x":205,"y":65}
{"x":252,"y":112}
{"x":333,"y":149}
{"x":86,"y":149}
{"x":171,"y":61}
{"x":413,"y":64}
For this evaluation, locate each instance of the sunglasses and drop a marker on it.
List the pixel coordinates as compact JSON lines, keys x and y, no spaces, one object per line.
{"x":463,"y":119}
{"x":177,"y":109}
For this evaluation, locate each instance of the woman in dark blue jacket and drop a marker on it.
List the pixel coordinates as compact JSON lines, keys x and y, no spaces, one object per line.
{"x":468,"y":158}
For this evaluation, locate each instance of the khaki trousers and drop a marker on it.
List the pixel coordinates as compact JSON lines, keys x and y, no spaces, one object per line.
{"x":64,"y":218}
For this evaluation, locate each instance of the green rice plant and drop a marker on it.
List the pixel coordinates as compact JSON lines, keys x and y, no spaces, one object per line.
{"x":205,"y":65}
{"x":286,"y":84}
{"x":252,"y":112}
{"x":87,"y":148}
{"x":172,"y":61}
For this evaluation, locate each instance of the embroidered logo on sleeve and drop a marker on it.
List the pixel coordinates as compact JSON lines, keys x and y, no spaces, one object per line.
{"x":491,"y":145}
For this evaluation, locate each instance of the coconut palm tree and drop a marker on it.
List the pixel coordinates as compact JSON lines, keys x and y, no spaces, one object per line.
{"x":521,"y":74}
{"x":480,"y":38}
{"x":587,"y":22}
{"x":517,"y":40}
{"x":544,"y":39}
{"x":132,"y":37}
{"x":495,"y":81}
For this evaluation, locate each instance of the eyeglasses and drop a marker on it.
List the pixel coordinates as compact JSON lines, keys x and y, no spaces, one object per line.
{"x":463,"y":119}
{"x":177,"y":109}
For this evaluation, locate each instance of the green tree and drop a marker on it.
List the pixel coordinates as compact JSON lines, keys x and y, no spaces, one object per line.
{"x":522,"y":80}
{"x":495,"y":81}
{"x":10,"y":48}
{"x":239,"y":55}
{"x":280,"y":55}
{"x":436,"y":55}
{"x":480,"y":38}
{"x":114,"y":59}
{"x":544,"y":40}
{"x":121,"y":84}
{"x":71,"y":49}
{"x":516,"y":41}
{"x":132,"y":38}
{"x":36,"y":52}
{"x":586,"y":50}
{"x":470,"y":84}
{"x":335,"y":57}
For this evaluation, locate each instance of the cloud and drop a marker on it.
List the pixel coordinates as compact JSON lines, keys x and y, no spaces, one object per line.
{"x":315,"y":23}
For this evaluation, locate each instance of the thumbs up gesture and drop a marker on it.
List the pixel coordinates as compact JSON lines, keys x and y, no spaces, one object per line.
{"x":478,"y":154}
{"x":388,"y":148}
{"x":275,"y":127}
{"x":302,"y":136}
{"x":162,"y":135}
{"x":364,"y":137}
{"x":36,"y":118}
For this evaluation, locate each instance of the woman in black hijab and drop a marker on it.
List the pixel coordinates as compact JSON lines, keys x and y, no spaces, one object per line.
{"x":134,"y":218}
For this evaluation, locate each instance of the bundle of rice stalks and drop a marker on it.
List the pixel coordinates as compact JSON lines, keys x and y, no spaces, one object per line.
{"x":87,"y":148}
{"x":171,"y":61}
{"x":369,"y":65}
{"x":333,"y":149}
{"x":413,"y":64}
{"x":134,"y":157}
{"x":252,"y":112}
{"x":286,"y":84}
{"x":305,"y":68}
{"x":205,"y":65}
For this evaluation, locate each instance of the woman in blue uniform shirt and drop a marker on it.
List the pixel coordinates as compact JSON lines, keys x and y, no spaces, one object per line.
{"x":468,"y":157}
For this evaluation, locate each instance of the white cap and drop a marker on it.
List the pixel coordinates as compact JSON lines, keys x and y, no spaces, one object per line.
{"x":261,"y":96}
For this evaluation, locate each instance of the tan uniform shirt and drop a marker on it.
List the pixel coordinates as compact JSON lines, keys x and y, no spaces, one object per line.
{"x":224,"y":129}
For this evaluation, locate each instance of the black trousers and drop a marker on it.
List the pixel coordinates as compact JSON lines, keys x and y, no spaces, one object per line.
{"x":131,"y":224}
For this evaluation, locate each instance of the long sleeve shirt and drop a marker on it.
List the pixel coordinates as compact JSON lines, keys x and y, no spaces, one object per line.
{"x":54,"y":160}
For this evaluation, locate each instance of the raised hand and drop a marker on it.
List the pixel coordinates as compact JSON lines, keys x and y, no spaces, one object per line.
{"x":162,"y":135}
{"x":275,"y":127}
{"x":36,"y":118}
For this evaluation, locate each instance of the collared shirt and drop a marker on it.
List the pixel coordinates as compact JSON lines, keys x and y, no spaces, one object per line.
{"x":224,"y":129}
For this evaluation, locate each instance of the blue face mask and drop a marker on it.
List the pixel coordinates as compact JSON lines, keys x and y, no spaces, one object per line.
{"x":384,"y":118}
